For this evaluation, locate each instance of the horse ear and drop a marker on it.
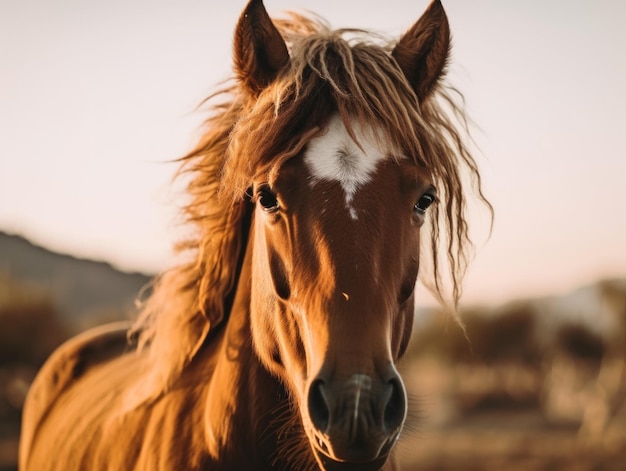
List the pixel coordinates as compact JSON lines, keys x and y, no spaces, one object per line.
{"x":422,"y":52}
{"x":260,"y":51}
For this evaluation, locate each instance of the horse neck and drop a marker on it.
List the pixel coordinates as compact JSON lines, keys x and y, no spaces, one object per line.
{"x":242,"y":396}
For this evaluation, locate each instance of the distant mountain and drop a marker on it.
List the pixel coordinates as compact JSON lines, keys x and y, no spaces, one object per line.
{"x":80,"y":289}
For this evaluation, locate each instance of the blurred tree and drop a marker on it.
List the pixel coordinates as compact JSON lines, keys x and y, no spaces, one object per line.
{"x":30,"y":324}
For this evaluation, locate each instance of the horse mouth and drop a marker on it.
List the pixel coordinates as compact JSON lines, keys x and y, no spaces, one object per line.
{"x":330,"y":463}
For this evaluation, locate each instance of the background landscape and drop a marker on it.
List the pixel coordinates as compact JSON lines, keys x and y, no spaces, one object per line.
{"x":541,"y":383}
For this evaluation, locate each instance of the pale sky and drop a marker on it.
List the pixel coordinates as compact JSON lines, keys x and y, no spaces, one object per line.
{"x":96,"y":97}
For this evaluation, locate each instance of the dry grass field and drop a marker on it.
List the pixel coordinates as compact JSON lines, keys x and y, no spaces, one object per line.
{"x":476,"y":418}
{"x":525,"y":392}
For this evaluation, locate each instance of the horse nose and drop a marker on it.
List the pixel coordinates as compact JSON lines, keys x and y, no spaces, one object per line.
{"x":319,"y":408}
{"x":395,"y":408}
{"x":357,"y":418}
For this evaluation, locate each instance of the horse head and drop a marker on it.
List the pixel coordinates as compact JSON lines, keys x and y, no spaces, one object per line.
{"x":337,"y":220}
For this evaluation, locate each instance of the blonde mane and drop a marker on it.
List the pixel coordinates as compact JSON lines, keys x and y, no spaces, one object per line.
{"x":346,"y":71}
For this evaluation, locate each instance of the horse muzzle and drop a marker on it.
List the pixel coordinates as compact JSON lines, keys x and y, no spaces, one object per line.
{"x":355,"y":420}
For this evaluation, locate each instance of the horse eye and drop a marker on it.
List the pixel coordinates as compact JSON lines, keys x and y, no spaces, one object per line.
{"x":267,"y":199}
{"x":424,"y":203}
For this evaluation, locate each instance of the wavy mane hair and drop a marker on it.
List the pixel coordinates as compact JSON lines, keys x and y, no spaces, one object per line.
{"x":347,"y":71}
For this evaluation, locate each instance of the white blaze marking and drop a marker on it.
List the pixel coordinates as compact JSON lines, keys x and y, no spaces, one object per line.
{"x":335,"y":156}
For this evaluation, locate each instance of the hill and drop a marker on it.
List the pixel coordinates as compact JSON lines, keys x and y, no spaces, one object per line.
{"x":80,"y":289}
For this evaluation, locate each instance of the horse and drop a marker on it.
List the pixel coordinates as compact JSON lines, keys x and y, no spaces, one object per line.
{"x":325,"y":163}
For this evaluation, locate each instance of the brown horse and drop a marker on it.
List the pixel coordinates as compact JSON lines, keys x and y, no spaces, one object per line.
{"x":274,"y":345}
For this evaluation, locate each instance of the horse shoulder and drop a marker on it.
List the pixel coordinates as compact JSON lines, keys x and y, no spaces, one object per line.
{"x":67,"y":364}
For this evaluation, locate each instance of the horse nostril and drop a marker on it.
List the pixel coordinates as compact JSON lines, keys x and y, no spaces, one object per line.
{"x":318,"y":407}
{"x":395,"y":410}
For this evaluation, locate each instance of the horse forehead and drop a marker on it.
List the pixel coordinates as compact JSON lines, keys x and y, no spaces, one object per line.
{"x":335,"y":156}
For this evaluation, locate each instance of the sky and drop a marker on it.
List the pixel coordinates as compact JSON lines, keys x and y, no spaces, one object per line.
{"x":97,"y":98}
